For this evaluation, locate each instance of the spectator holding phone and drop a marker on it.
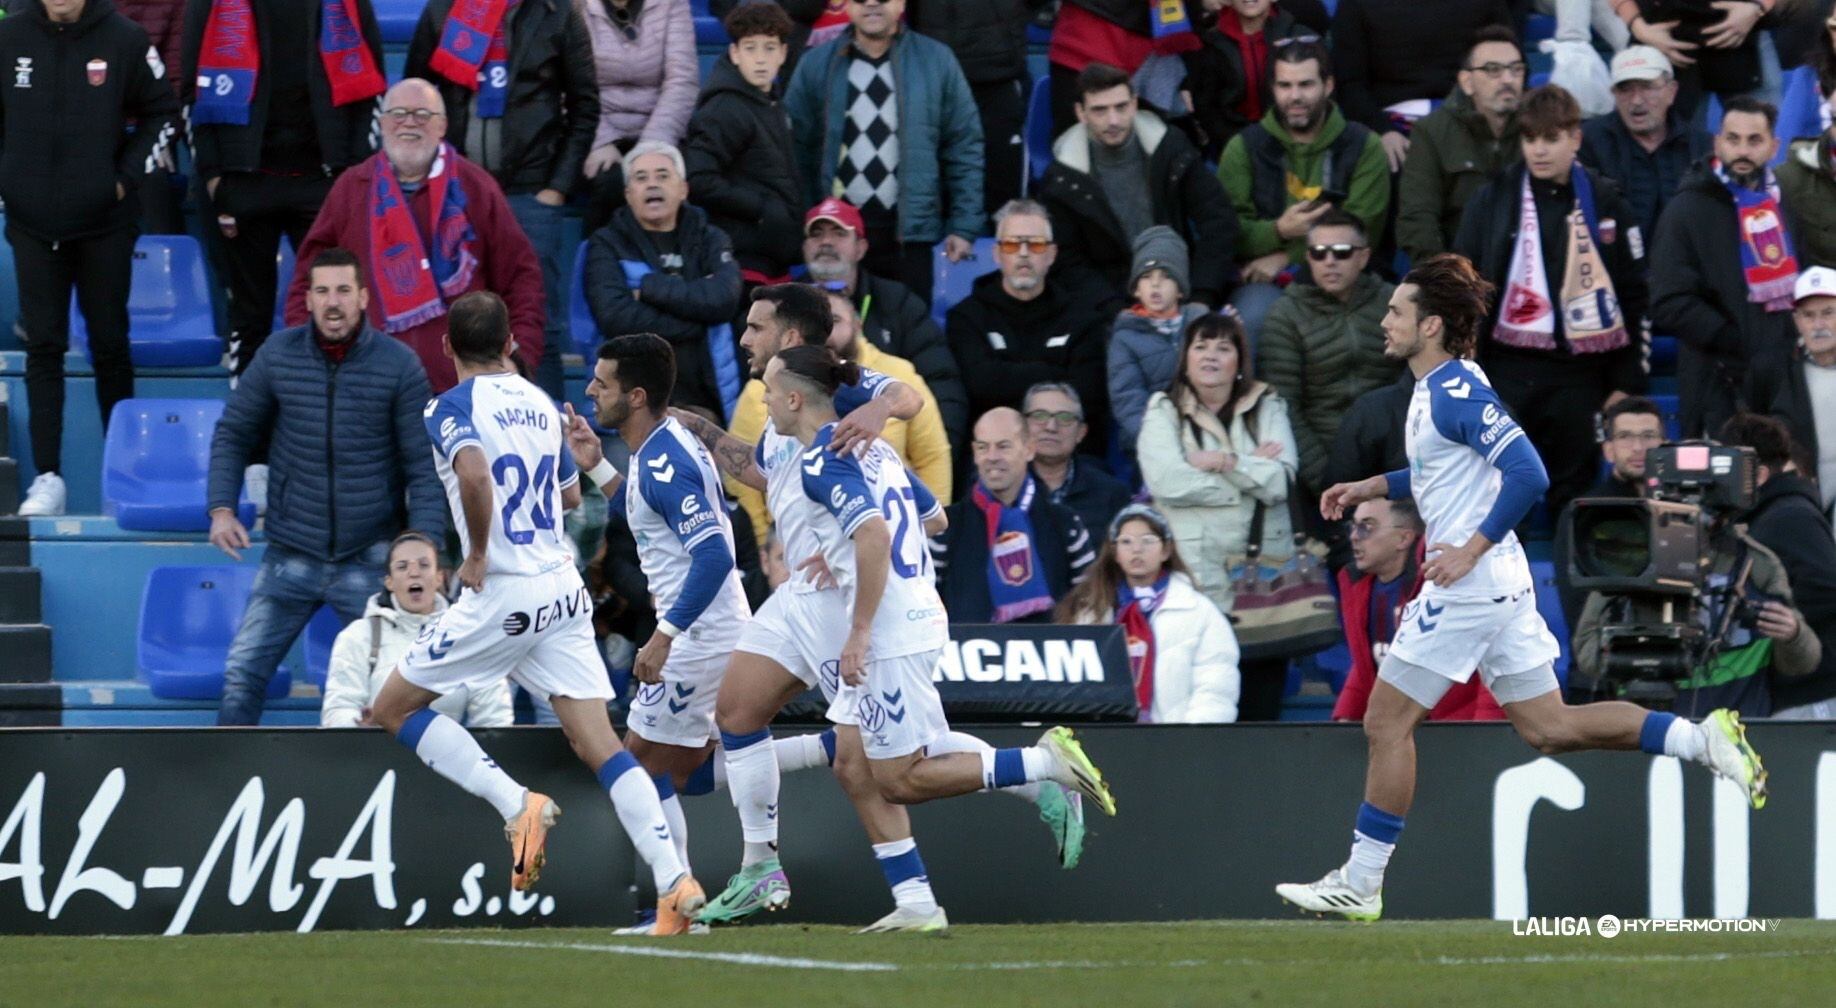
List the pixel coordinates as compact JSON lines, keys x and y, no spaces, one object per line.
{"x":1284,"y":172}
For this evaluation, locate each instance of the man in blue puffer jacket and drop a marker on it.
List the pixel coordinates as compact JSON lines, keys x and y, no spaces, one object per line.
{"x":883,"y":118}
{"x":339,"y":404}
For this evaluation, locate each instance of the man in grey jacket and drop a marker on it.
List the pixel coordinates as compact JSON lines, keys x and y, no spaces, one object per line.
{"x":339,"y":404}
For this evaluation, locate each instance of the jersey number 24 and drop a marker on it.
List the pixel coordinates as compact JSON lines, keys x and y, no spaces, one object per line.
{"x":513,"y":475}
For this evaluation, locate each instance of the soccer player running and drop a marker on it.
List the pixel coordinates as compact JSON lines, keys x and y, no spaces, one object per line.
{"x":497,"y":443}
{"x":1474,"y":476}
{"x":793,"y":642}
{"x":674,"y":503}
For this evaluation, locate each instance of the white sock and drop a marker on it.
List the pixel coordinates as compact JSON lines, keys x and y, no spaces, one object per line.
{"x":752,"y":775}
{"x":640,"y":811}
{"x":672,"y":814}
{"x":1686,"y":740}
{"x":1364,"y":870}
{"x":450,"y":751}
{"x":905,"y":875}
{"x":803,"y":752}
{"x":955,"y":742}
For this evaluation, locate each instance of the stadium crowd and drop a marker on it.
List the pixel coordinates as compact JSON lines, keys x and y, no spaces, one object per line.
{"x":1131,"y":417}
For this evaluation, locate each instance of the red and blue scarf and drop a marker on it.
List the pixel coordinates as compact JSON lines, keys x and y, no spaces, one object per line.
{"x":1135,"y":614}
{"x":229,"y":61}
{"x":1016,"y":582}
{"x":1765,"y":248}
{"x":414,"y":281}
{"x":472,"y":53}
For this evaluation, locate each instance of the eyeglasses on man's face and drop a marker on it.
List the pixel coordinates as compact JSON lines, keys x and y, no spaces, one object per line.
{"x":1638,"y":437}
{"x":1366,"y":529}
{"x":1514,"y":69}
{"x":1062,"y":418}
{"x":419,"y":116}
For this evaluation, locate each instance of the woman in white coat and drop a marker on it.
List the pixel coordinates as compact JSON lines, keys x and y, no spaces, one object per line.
{"x":1215,"y":445}
{"x":368,"y":649}
{"x":1181,"y":650}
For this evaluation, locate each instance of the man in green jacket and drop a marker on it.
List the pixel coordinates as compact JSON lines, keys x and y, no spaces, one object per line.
{"x":1322,"y":343}
{"x":1284,"y":172}
{"x":1807,"y":181}
{"x":1455,"y":148}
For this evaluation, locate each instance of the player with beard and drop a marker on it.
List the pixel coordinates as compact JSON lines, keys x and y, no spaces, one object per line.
{"x":1473,"y":476}
{"x":792,"y":644}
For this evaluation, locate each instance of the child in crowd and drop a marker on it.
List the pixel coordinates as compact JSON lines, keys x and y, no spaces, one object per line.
{"x":1144,"y":346}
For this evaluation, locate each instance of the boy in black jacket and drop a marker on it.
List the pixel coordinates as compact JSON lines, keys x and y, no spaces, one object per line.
{"x":741,"y":167}
{"x":70,"y":174}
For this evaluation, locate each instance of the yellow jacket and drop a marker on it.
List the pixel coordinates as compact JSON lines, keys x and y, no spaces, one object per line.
{"x":921,"y":442}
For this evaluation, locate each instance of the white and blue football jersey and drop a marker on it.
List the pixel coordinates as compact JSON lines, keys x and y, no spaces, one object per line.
{"x":673,"y":501}
{"x":519,"y":430}
{"x":1456,"y":432}
{"x":777,"y":457}
{"x":841,"y":492}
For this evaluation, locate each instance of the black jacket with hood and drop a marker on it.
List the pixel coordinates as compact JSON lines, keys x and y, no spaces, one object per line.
{"x":65,"y":145}
{"x":743,"y":172}
{"x":1788,"y":519}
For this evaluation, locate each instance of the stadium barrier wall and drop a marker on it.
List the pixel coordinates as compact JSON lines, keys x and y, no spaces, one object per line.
{"x":179,"y":830}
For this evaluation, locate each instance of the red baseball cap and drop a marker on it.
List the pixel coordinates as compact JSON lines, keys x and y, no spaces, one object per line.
{"x":838,"y":210}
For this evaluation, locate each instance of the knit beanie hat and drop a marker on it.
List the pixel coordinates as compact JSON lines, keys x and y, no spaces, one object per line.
{"x":1161,"y":247}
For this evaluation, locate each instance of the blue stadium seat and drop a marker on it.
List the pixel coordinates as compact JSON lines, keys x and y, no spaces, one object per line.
{"x":1537,"y":80}
{"x":1673,"y":415}
{"x":1549,"y":605}
{"x":951,"y":281}
{"x":321,"y":634}
{"x":1663,"y":354}
{"x":582,"y":330}
{"x":188,"y":617}
{"x":1038,"y":129}
{"x":1538,"y":27}
{"x":1800,"y":108}
{"x":170,"y":321}
{"x":397,"y":18}
{"x":9,"y":290}
{"x":155,"y":462}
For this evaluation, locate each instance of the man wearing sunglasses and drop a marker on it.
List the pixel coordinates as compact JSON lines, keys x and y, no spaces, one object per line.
{"x":388,"y":209}
{"x":883,"y":117}
{"x":1322,"y":343}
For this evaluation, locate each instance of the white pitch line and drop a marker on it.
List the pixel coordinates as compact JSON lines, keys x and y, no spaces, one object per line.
{"x":734,"y":958}
{"x":1655,"y":957}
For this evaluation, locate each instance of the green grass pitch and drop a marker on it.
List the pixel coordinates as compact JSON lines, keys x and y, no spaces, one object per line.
{"x":1272,"y":963}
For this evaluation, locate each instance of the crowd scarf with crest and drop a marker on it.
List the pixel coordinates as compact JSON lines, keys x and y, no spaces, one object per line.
{"x":415,"y":281}
{"x":229,"y":60}
{"x":1591,"y":319}
{"x":1766,"y":257}
{"x":1135,"y":612}
{"x":1016,"y":582}
{"x":472,"y":53}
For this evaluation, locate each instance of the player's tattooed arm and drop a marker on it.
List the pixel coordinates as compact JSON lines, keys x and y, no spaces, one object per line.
{"x":731,"y":455}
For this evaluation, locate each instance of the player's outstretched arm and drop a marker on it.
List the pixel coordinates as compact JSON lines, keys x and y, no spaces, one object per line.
{"x":872,"y":561}
{"x":474,"y":478}
{"x":731,"y":455}
{"x":1341,"y":498}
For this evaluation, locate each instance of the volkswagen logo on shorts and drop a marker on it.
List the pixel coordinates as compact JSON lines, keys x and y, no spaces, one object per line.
{"x":831,"y":675}
{"x":650,"y":694}
{"x":515,"y":623}
{"x":872,"y":715}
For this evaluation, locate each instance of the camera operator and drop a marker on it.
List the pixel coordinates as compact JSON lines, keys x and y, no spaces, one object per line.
{"x":1788,"y":519}
{"x":1628,"y":429}
{"x":1761,"y":640}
